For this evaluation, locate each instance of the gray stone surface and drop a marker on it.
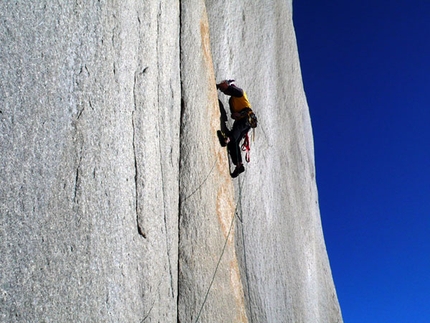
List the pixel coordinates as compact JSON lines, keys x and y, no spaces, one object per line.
{"x":284,"y":265}
{"x":90,"y":97}
{"x":208,"y":291}
{"x":116,"y":203}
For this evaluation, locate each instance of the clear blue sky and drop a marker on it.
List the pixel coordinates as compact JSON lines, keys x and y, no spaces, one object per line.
{"x":366,"y":71}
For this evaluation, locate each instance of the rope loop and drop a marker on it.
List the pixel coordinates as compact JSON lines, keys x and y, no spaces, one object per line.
{"x":245,"y":147}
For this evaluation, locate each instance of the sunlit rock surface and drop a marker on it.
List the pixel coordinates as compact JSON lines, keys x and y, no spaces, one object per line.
{"x":116,"y":203}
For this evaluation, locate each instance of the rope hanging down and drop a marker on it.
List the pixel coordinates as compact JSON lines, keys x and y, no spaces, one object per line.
{"x":237,"y":210}
{"x":216,"y":269}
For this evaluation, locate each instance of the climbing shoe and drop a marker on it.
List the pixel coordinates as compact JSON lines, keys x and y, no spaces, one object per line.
{"x":237,"y":171}
{"x":222,"y":138}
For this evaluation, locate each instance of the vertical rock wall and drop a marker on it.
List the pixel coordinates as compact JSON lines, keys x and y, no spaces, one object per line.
{"x":116,"y":203}
{"x":90,"y":97}
{"x":285,"y":269}
{"x":209,"y":283}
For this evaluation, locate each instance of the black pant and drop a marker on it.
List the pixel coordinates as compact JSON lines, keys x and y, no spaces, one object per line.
{"x":239,"y":130}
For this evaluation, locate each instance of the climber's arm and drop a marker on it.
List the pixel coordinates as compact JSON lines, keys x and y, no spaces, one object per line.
{"x":229,"y":88}
{"x":233,"y":90}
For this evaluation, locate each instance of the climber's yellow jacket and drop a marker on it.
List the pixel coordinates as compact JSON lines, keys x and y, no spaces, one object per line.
{"x":237,"y":104}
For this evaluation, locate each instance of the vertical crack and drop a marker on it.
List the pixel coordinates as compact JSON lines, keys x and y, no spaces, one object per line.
{"x":180,"y":160}
{"x":136,"y":173}
{"x":77,"y":178}
{"x":77,"y":182}
{"x":163,"y":119}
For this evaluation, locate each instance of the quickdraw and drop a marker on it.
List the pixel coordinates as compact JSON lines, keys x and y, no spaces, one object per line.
{"x":247,"y":148}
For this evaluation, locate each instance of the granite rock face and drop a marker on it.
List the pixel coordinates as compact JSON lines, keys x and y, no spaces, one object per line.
{"x":116,"y":203}
{"x":90,"y":161}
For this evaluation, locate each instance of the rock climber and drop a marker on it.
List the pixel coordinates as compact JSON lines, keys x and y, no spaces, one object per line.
{"x":244,"y":120}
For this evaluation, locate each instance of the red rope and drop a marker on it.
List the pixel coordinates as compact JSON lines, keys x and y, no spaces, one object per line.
{"x":245,"y":147}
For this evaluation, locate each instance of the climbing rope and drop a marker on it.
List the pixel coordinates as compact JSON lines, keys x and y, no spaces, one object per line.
{"x":216,"y":269}
{"x":245,"y":147}
{"x":237,"y":209}
{"x":201,"y":184}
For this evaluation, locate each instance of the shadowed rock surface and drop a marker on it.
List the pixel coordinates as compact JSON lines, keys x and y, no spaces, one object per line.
{"x":116,"y":203}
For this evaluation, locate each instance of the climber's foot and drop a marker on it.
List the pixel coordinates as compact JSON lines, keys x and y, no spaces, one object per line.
{"x":239,"y":169}
{"x":223,"y":139}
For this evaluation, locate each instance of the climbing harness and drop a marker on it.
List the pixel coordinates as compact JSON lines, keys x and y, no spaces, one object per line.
{"x":245,"y":147}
